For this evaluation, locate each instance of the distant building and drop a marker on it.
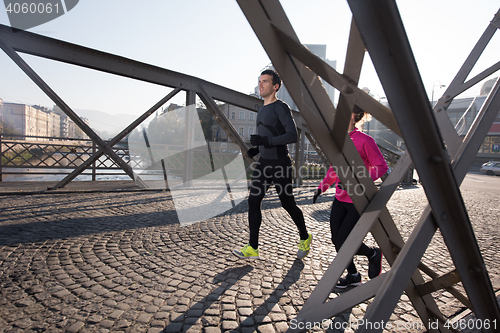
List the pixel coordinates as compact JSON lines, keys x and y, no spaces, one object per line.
{"x":172,"y":107}
{"x":243,"y":121}
{"x":39,"y":121}
{"x":26,"y":120}
{"x":462,"y":113}
{"x":68,"y":128}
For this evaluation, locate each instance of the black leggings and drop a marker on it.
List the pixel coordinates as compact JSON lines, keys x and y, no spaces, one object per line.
{"x":267,"y":172}
{"x":343,"y":218}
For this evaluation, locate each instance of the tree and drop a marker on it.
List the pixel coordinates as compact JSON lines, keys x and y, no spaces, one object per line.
{"x":207,"y":122}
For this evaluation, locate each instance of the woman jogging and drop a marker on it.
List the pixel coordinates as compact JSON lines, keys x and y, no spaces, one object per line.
{"x":344,"y":215}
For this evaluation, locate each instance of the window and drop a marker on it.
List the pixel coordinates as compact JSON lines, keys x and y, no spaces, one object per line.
{"x":250,"y":131}
{"x":233,"y":115}
{"x":251,"y":116}
{"x":242,"y":115}
{"x":241,"y":131}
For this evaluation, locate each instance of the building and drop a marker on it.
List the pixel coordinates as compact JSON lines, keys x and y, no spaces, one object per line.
{"x":68,"y":128}
{"x":25,"y":120}
{"x":243,"y":121}
{"x":462,"y":113}
{"x":39,"y":122}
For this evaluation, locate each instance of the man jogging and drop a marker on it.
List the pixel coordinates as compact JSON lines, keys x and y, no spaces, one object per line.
{"x":276,"y":128}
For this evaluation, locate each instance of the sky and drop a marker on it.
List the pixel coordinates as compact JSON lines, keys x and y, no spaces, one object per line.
{"x":212,"y":40}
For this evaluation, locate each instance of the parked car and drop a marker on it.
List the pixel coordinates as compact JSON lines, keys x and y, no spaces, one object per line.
{"x":491,"y":168}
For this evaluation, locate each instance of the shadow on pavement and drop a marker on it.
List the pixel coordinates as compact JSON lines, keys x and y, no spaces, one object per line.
{"x":338,"y":324}
{"x":226,"y":279}
{"x":263,"y":310}
{"x":179,"y":324}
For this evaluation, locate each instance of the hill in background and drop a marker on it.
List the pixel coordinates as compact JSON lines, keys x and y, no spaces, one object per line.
{"x":105,"y":124}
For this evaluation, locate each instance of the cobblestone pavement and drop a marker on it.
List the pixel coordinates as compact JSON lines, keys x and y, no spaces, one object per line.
{"x":120,"y":262}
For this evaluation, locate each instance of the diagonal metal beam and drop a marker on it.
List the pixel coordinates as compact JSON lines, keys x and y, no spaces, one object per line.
{"x":476,"y":133}
{"x":382,"y":30}
{"x":115,"y":140}
{"x":401,"y":273}
{"x":308,"y":93}
{"x":343,"y":83}
{"x":49,"y":48}
{"x":222,"y":120}
{"x":46,"y":47}
{"x":442,"y":282}
{"x":352,"y":71}
{"x":63,"y":106}
{"x":265,"y":18}
{"x":315,"y":306}
{"x":460,"y":173}
{"x":435,"y":276}
{"x":415,"y":247}
{"x":458,"y":85}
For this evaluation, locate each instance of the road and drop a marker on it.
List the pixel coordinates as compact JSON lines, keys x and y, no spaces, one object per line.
{"x":478,"y":182}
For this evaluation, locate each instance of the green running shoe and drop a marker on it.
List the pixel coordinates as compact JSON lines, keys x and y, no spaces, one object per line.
{"x":304,"y":247}
{"x":247,"y":252}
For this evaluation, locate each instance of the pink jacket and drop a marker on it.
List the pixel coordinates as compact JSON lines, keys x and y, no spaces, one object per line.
{"x":371,"y":156}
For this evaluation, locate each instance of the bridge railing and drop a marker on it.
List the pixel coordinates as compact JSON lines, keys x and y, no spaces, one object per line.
{"x":39,"y":155}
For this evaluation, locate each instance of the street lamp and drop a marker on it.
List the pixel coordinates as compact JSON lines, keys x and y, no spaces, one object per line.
{"x":433,"y":86}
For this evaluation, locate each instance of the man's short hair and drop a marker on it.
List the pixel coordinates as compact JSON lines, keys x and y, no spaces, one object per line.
{"x":276,"y":77}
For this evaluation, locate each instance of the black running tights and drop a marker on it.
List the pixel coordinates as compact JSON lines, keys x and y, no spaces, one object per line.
{"x":266,"y":173}
{"x":343,"y":218}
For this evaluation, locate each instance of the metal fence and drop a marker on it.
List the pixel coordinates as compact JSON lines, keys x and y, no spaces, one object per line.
{"x":38,"y":155}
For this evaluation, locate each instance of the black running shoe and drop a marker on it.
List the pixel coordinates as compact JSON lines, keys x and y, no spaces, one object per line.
{"x":375,"y":264}
{"x":352,"y":280}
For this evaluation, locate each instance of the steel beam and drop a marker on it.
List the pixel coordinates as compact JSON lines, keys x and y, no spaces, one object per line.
{"x":222,"y":120}
{"x":96,"y":155}
{"x":30,"y":43}
{"x":352,"y":71}
{"x":344,"y":84}
{"x":458,"y":85}
{"x":389,"y":290}
{"x":382,"y":30}
{"x":308,"y":93}
{"x":291,"y":47}
{"x":388,"y":295}
{"x":266,"y":18}
{"x":442,"y":282}
{"x":49,"y":48}
{"x":63,"y":106}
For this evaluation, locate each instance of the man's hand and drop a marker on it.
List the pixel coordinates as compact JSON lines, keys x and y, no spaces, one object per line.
{"x":254,"y":151}
{"x":316,"y":195}
{"x":258,"y":140}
